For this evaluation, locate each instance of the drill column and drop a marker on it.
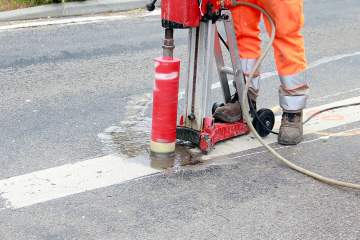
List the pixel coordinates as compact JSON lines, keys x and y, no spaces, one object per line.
{"x":165,"y":99}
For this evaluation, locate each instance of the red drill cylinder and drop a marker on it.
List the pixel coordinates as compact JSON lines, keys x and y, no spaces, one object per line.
{"x":165,"y":104}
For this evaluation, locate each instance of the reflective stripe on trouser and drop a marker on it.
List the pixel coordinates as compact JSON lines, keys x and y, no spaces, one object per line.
{"x":293,"y":92}
{"x":247,"y":65}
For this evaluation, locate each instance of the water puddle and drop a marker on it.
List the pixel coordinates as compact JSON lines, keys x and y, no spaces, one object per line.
{"x":131,"y":139}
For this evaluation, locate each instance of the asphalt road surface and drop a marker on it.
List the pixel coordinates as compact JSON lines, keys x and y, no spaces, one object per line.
{"x":80,"y":91}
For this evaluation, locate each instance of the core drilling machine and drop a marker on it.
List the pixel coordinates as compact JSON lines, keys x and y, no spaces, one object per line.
{"x":196,"y":124}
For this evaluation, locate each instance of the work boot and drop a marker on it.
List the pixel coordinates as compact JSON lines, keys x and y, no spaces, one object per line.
{"x":291,"y":128}
{"x":252,"y":95}
{"x":230,"y":112}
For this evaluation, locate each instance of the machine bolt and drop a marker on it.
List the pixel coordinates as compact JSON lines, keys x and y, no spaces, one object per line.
{"x":267,"y":123}
{"x":191,"y":117}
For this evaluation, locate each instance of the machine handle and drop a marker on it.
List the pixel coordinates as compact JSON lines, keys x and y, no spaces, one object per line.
{"x":151,"y":6}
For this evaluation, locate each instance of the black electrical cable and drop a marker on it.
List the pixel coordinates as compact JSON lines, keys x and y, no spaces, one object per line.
{"x":306,"y":121}
{"x":224,"y":42}
{"x":329,"y":109}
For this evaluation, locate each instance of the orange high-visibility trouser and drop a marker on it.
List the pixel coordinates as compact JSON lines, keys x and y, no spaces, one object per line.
{"x":288,"y":46}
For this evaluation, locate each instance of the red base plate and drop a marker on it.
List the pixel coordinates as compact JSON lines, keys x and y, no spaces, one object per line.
{"x":214,"y":132}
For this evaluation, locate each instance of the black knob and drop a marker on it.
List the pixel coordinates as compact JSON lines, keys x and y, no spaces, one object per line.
{"x":151,"y":6}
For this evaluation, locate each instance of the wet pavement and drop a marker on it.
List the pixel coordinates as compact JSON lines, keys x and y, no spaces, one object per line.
{"x":79,"y":91}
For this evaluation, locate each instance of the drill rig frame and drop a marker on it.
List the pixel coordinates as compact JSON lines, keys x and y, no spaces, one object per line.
{"x":196,"y":123}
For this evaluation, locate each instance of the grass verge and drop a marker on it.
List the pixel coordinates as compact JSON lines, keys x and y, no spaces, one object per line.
{"x":15,"y":4}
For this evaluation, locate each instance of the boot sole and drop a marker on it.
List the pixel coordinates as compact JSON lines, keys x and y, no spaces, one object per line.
{"x":290,"y":143}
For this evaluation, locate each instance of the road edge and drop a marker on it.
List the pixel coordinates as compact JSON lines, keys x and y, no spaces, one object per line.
{"x":71,"y":9}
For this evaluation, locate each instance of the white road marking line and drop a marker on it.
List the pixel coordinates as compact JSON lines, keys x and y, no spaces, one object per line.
{"x":41,"y":186}
{"x":328,"y":120}
{"x":347,"y":133}
{"x":61,"y":22}
{"x":53,"y":183}
{"x":75,"y":20}
{"x":325,"y":60}
{"x":335,"y":94}
{"x":315,"y":64}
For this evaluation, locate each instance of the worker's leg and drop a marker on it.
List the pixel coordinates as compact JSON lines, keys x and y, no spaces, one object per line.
{"x":246,"y":25}
{"x":291,"y":64}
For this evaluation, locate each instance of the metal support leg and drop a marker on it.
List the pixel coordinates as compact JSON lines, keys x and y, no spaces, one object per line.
{"x":220,"y":67}
{"x":198,"y":125}
{"x":234,"y":55}
{"x":198,"y":87}
{"x":235,"y":69}
{"x":204,"y":45}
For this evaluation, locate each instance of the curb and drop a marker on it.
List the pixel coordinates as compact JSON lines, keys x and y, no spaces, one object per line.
{"x":72,"y":9}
